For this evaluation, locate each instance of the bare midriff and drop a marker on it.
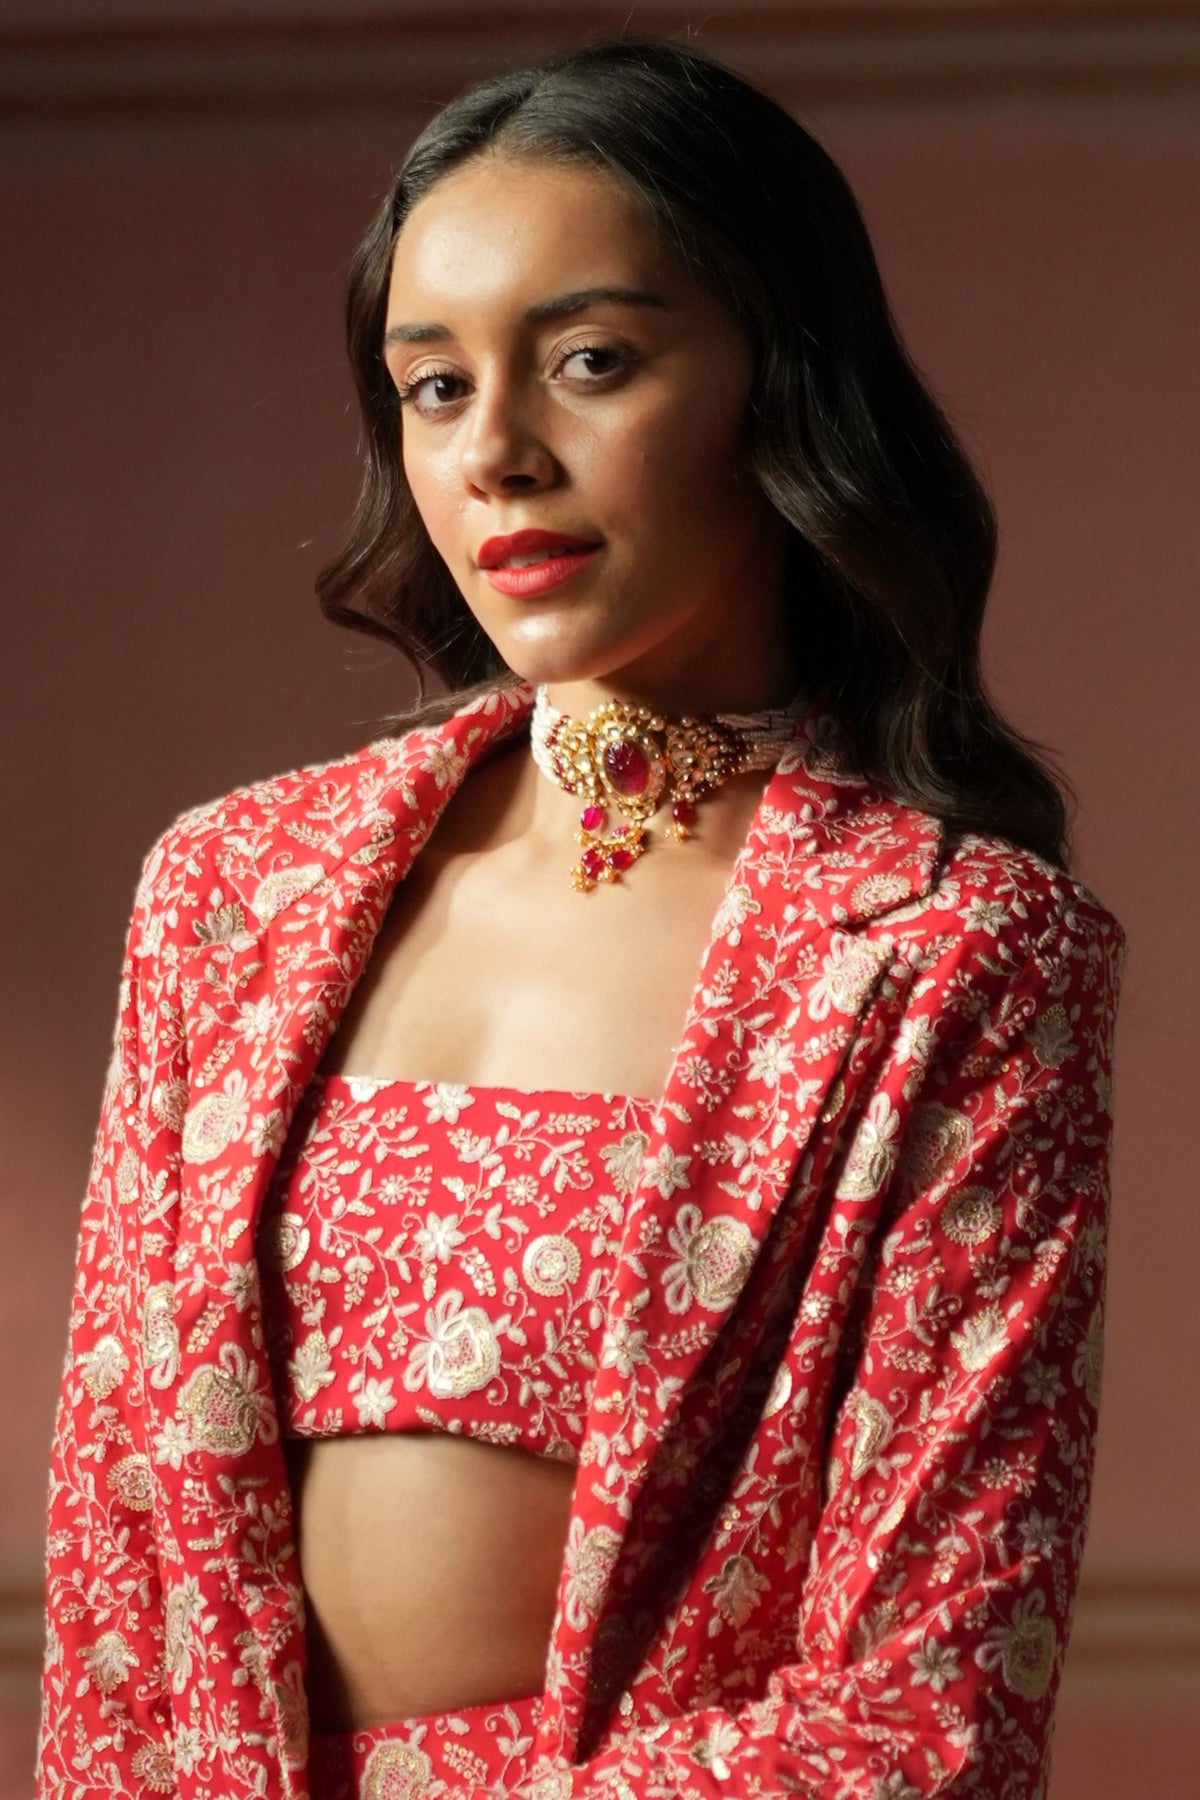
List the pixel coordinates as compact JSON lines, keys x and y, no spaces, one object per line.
{"x":430,"y":1567}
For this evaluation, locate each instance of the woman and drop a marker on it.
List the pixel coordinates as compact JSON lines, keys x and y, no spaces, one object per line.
{"x":562,"y":1311}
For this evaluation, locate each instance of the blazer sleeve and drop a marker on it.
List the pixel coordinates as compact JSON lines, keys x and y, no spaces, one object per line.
{"x":934,"y":1615}
{"x":105,"y":1719}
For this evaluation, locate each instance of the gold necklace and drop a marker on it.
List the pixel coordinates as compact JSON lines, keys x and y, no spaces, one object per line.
{"x":630,"y":760}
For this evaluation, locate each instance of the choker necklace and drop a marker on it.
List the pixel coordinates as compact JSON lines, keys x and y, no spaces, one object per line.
{"x":631,"y":760}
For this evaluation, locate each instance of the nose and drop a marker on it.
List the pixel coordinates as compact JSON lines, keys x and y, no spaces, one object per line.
{"x":503,"y":448}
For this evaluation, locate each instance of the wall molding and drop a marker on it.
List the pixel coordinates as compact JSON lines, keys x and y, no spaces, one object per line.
{"x":1124,"y":1626}
{"x":20,"y":1626}
{"x":873,"y":55}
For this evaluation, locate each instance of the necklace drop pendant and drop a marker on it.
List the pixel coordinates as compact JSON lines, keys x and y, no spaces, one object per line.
{"x":606,"y":858}
{"x":630,"y":760}
{"x":683,"y":817}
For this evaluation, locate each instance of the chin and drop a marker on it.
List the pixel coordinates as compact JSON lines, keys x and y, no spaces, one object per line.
{"x":553,"y":665}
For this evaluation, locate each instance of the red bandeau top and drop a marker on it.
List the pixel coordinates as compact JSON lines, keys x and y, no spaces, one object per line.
{"x":436,"y":1257}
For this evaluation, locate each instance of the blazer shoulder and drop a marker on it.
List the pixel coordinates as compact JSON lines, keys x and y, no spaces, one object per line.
{"x":266,"y":796}
{"x":997,"y":913}
{"x":986,"y":865}
{"x":262,"y":846}
{"x":329,"y":799}
{"x":307,"y":814}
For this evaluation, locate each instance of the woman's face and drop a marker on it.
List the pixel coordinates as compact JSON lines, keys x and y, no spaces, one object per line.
{"x":560,"y":371}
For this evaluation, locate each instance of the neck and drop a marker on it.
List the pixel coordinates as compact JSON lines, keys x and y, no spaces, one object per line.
{"x":758,"y":674}
{"x":678,"y":698}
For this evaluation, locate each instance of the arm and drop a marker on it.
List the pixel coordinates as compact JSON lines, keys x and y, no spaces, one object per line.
{"x":934,"y":1617}
{"x":105,"y":1726}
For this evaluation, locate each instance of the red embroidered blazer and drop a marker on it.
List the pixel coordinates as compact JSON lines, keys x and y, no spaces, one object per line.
{"x":827,"y":1526}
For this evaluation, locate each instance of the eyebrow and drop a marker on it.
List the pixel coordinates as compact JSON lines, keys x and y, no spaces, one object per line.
{"x":557,"y":308}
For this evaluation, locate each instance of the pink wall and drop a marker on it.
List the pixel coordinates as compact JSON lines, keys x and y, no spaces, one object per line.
{"x":180,"y":460}
{"x":1047,"y":282}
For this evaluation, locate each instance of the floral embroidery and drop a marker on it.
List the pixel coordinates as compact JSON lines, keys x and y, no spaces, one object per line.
{"x":353,"y":1226}
{"x":279,"y":890}
{"x":109,"y":1660}
{"x":970,"y":1215}
{"x":160,"y":1334}
{"x":849,"y":972}
{"x":104,"y":1367}
{"x":1050,"y":1035}
{"x":937,"y":1137}
{"x":865,"y":1222}
{"x":284,"y":1242}
{"x":211,"y":1126}
{"x":132,"y":1483}
{"x":395,"y":1772}
{"x":183,"y":1612}
{"x":224,"y":1412}
{"x":154,"y":1765}
{"x":461,"y":1352}
{"x":872,"y":1429}
{"x":551,"y":1265}
{"x":1025,"y":1647}
{"x":983,"y":1336}
{"x":872,"y":1153}
{"x":590,"y":1558}
{"x":715,"y":1258}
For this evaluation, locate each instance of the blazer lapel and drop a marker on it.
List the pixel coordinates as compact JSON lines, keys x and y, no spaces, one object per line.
{"x":281,"y":959}
{"x":784,"y":981}
{"x":306,"y":888}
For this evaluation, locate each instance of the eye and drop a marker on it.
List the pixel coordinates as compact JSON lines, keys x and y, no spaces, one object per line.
{"x":407,"y":395}
{"x":611,"y":354}
{"x":612,"y":358}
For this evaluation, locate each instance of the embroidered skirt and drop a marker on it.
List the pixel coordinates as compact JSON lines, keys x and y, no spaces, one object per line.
{"x":486,"y":1748}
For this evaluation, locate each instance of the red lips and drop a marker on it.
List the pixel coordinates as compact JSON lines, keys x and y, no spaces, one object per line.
{"x":496,"y":550}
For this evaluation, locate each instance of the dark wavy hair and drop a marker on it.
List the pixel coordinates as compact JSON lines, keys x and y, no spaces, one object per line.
{"x":893,"y":540}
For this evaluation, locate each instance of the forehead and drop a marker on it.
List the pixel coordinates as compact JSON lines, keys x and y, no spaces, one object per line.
{"x":505,"y":227}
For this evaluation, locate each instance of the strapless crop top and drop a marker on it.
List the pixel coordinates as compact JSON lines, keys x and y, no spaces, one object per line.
{"x":437,"y":1257}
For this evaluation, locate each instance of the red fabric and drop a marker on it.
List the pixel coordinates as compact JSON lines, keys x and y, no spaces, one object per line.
{"x":437,"y":1257}
{"x":835,"y":1475}
{"x":482,"y":1750}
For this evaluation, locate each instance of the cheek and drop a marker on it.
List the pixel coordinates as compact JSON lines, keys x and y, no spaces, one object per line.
{"x":687,"y":464}
{"x":432,"y":498}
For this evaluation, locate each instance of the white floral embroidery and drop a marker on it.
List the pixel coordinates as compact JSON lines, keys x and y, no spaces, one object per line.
{"x":958,"y":1301}
{"x":935,"y":1665}
{"x":667,"y":1170}
{"x":872,"y":1152}
{"x":982,"y":1338}
{"x":770,"y":1059}
{"x":373,"y":1401}
{"x":445,"y":1102}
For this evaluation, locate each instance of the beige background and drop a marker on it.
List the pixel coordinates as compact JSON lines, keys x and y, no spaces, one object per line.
{"x":180,"y":191}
